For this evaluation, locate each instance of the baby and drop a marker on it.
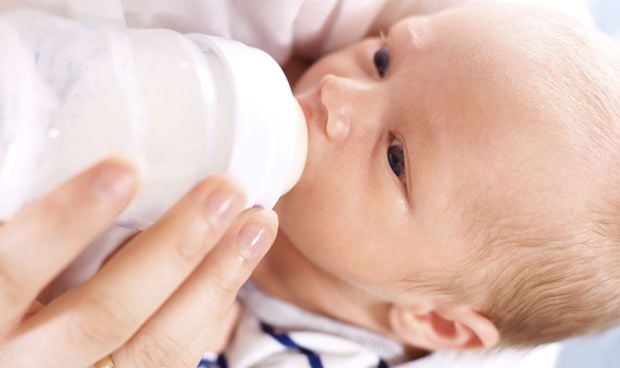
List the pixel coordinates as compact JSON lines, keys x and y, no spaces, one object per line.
{"x":462,"y":192}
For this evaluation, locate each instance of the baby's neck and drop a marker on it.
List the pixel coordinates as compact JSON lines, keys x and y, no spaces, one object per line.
{"x":286,"y":274}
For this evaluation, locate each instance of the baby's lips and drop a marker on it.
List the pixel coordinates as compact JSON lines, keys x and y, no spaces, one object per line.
{"x":305,"y":108}
{"x":309,"y":103}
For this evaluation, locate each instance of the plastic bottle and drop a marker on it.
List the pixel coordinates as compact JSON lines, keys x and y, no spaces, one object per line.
{"x":181,"y":107}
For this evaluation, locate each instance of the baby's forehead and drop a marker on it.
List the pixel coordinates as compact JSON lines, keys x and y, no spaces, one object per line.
{"x":486,"y":31}
{"x":494,"y":57}
{"x":504,"y":96}
{"x":515,"y":100}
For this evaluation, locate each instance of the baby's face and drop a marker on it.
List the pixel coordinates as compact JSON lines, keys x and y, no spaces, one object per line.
{"x":413,"y":141}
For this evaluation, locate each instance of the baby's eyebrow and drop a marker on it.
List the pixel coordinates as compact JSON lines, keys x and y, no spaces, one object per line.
{"x":383,"y":35}
{"x":420,"y":32}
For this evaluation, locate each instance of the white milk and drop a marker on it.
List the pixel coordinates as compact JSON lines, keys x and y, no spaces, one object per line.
{"x":180,"y":107}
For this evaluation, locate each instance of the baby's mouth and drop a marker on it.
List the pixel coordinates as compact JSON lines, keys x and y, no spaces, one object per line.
{"x":310,"y":103}
{"x":305,"y":107}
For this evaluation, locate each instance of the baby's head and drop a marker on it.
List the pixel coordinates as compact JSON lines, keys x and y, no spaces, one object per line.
{"x":465,"y":169}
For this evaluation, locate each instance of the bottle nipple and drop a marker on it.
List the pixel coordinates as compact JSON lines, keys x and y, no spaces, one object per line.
{"x":301,"y":149}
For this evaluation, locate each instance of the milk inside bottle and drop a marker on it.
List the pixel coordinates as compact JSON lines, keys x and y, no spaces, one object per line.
{"x":180,"y":107}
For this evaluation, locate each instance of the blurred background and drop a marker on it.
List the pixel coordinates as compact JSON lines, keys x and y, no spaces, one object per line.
{"x":606,"y":14}
{"x":601,"y":351}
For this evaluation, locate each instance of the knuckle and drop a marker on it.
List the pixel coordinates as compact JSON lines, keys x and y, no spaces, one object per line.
{"x":148,"y":350}
{"x":193,"y":238}
{"x":206,"y":185}
{"x":221,"y":287}
{"x":62,"y":215}
{"x":59,"y":206}
{"x":190,"y":242}
{"x":71,"y":204}
{"x":187,"y":358}
{"x":14,"y":292}
{"x":100,"y":321}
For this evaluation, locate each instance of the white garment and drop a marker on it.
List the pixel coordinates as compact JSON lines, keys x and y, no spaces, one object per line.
{"x":334,"y":344}
{"x":308,"y":28}
{"x":280,"y":27}
{"x":304,"y":27}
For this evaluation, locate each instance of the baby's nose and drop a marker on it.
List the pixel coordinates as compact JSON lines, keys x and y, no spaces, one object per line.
{"x":340,"y":96}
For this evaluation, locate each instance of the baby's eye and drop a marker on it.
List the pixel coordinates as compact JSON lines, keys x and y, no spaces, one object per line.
{"x":396,"y":158}
{"x":381,"y":59}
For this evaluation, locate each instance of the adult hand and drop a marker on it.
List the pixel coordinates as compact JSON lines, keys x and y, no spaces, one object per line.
{"x":157,"y":302}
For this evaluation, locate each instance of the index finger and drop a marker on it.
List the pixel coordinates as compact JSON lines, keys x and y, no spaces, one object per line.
{"x":43,"y":238}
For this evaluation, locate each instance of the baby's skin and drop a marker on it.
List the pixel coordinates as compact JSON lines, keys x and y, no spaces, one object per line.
{"x":426,"y":147}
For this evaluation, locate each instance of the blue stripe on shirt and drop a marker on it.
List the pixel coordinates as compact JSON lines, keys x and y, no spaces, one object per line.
{"x":209,"y":363}
{"x":287,"y":341}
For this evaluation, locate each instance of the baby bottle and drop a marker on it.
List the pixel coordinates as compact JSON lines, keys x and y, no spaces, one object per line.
{"x":180,"y":107}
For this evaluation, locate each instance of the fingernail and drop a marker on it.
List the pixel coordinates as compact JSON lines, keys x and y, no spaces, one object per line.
{"x":222,"y":205}
{"x":254,"y":239}
{"x":115,"y":182}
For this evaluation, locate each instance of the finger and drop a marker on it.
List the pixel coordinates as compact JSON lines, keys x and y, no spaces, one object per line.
{"x":100,"y":315}
{"x":47,"y":235}
{"x":172,"y":337}
{"x":33,"y":309}
{"x":118,"y":248}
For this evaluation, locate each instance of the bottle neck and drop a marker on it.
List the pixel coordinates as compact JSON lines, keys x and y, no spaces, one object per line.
{"x":268,"y":132}
{"x":300,"y":149}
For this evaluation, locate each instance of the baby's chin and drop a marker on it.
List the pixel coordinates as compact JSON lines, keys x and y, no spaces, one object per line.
{"x":292,"y":207}
{"x":285,"y":207}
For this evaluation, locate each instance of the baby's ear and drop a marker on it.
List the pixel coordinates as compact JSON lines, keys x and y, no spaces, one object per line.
{"x":459,"y":328}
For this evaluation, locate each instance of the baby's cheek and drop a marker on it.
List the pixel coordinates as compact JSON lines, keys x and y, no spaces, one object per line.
{"x":334,"y":223}
{"x":360,"y":253}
